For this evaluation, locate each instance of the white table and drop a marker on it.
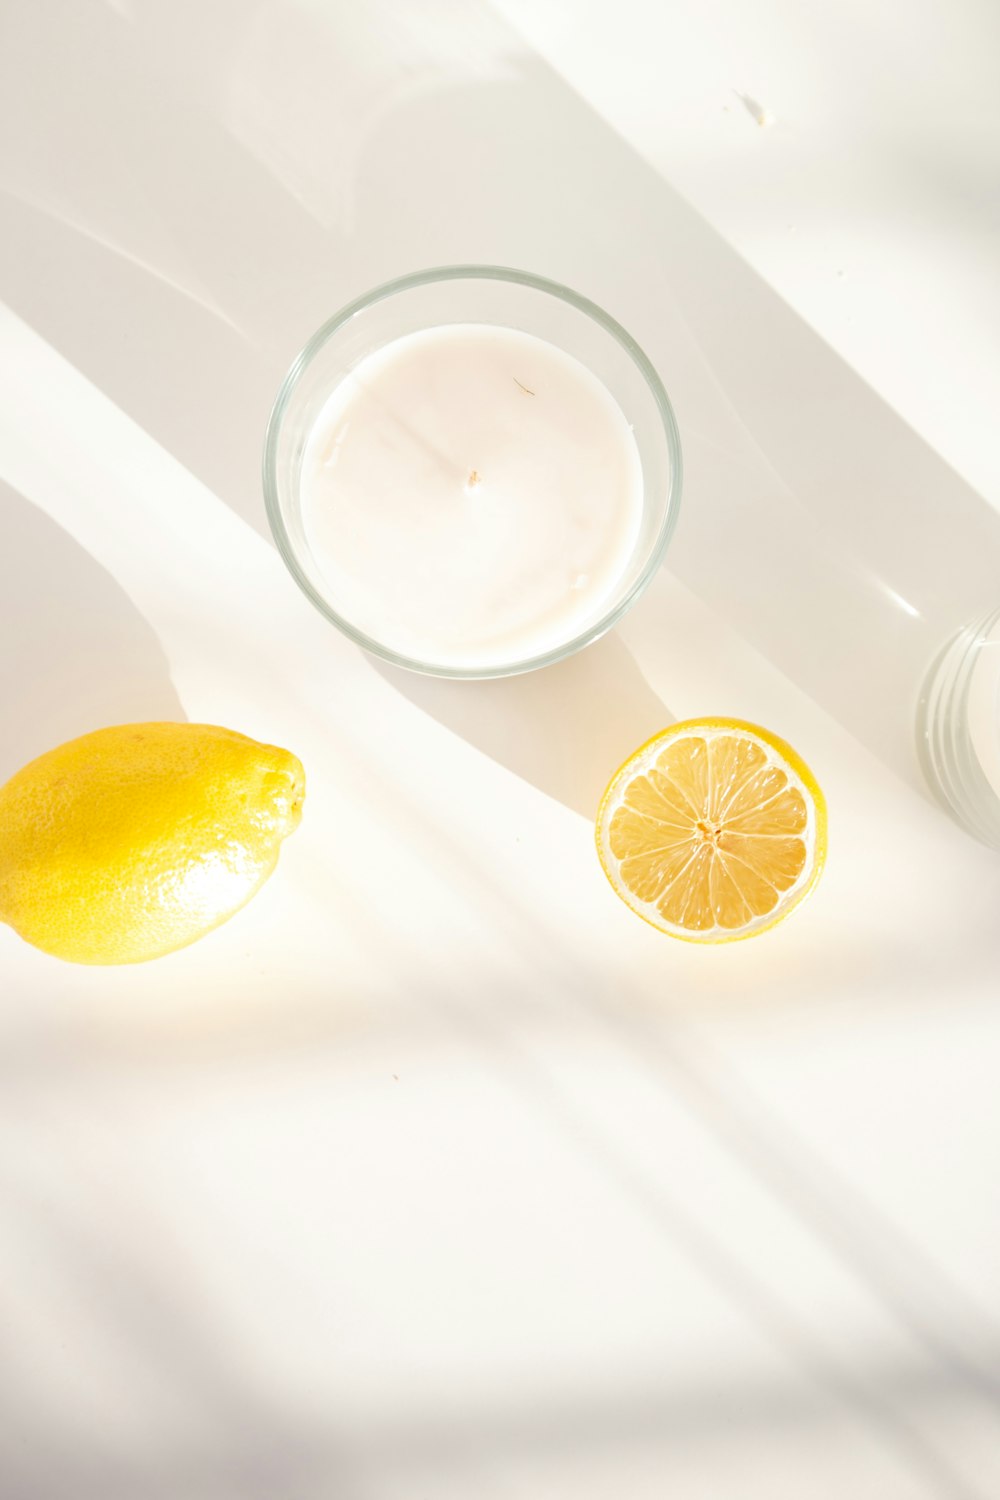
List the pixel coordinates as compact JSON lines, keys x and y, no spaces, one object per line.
{"x":435,"y":1173}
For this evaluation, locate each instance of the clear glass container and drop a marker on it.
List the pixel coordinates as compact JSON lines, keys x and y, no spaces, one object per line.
{"x":958,"y":728}
{"x":478,"y":295}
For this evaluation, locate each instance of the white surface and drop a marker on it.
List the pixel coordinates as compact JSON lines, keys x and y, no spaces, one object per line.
{"x":435,"y":1173}
{"x":867,"y":194}
{"x":472,"y":497}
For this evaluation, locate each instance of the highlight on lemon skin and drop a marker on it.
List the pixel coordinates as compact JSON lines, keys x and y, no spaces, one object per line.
{"x":133,"y":841}
{"x":713,"y":830}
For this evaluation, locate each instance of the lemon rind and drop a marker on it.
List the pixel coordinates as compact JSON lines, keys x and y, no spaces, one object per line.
{"x":778,"y":752}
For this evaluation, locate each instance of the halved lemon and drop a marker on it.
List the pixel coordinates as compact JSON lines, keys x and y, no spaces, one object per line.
{"x":713,"y":830}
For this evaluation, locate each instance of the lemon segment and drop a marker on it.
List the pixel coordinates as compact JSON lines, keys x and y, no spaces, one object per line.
{"x":713,"y":830}
{"x":133,"y":841}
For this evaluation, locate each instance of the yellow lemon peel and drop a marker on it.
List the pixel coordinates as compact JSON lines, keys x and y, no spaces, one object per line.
{"x":133,"y":841}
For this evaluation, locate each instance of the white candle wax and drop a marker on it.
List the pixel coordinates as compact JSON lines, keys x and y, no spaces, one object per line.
{"x":471,"y":496}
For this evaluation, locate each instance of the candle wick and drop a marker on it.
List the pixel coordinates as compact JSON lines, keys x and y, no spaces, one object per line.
{"x":473,"y":479}
{"x":523,"y":387}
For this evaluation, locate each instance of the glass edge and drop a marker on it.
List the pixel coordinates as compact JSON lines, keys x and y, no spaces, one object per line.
{"x":943,"y":740}
{"x":583,"y":304}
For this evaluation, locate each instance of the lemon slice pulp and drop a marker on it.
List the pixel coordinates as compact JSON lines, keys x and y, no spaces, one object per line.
{"x":713,"y":830}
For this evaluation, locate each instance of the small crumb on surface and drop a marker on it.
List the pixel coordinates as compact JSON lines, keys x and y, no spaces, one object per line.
{"x":755,"y":109}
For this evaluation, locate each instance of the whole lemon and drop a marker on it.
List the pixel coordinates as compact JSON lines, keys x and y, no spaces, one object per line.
{"x":127,"y":843}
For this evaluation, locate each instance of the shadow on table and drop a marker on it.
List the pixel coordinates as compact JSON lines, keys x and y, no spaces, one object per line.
{"x":179,"y":1402}
{"x":564,"y":729}
{"x":77,"y":653}
{"x":187,"y":192}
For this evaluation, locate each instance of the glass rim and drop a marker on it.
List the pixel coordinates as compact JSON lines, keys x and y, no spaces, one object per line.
{"x":381,"y":293}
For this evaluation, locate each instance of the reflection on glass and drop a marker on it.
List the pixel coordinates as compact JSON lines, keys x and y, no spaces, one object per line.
{"x":958,"y":729}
